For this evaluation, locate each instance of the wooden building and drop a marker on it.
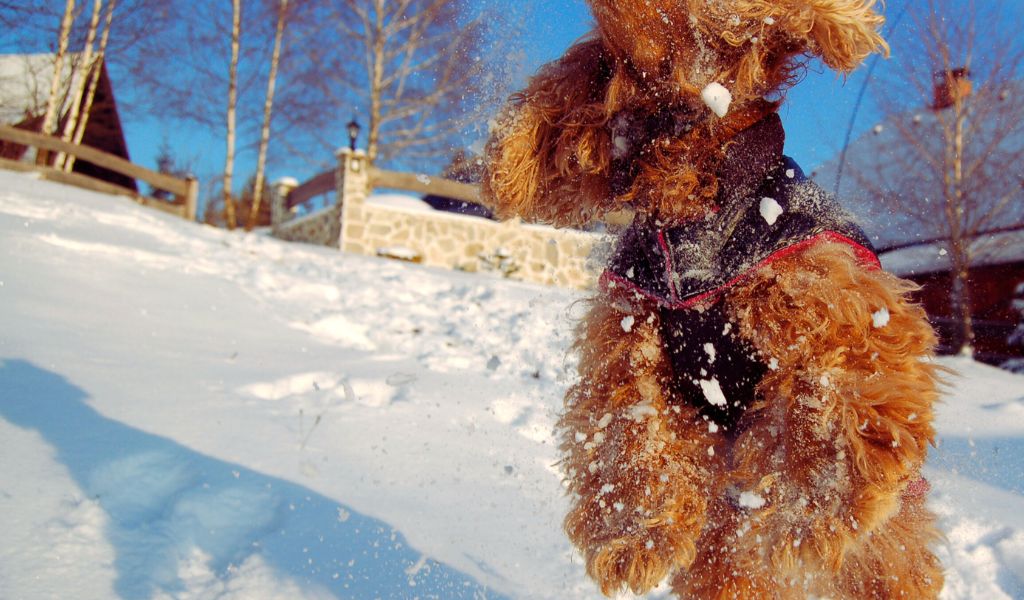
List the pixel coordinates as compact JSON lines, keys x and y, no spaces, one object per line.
{"x":25,"y":81}
{"x":995,"y":275}
{"x":889,"y":183}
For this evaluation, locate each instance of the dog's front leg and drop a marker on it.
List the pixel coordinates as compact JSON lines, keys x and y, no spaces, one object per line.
{"x":637,"y":464}
{"x":845,"y":417}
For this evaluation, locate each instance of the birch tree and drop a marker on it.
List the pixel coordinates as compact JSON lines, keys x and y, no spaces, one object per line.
{"x":416,"y":73}
{"x":1017,"y":337}
{"x":229,"y":155}
{"x":268,"y":106}
{"x":50,"y":116}
{"x":79,"y":81}
{"x":94,"y":79}
{"x":944,"y":161}
{"x":209,"y":70}
{"x":41,"y":27}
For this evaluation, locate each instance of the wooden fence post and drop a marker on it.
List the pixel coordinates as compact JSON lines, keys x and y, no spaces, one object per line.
{"x":191,"y":197}
{"x":279,"y":190}
{"x":353,"y":182}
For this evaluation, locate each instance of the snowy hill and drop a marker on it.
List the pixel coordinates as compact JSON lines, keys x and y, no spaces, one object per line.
{"x":190,"y":413}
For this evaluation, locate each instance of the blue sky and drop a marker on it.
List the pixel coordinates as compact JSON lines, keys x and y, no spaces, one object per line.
{"x":816,"y":113}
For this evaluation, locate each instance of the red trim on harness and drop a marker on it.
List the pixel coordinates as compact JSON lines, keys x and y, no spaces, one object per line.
{"x":608,"y":279}
{"x":863,"y":254}
{"x":668,"y":265}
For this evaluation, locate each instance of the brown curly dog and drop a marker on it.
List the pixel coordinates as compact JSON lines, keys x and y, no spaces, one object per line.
{"x":755,"y":396}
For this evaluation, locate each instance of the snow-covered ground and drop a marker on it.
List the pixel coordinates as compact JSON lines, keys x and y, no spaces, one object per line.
{"x":190,"y":413}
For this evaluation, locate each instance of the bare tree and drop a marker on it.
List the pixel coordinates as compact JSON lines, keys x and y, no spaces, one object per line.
{"x":211,"y":55}
{"x":229,"y":155}
{"x":50,"y":116}
{"x":953,"y":122}
{"x":268,"y":106}
{"x":16,"y":13}
{"x":94,"y":73}
{"x":79,"y":83}
{"x":1016,"y":338}
{"x":43,"y":28}
{"x":416,"y":72}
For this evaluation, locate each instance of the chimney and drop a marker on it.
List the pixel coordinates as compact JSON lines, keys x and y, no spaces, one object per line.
{"x":950,"y":87}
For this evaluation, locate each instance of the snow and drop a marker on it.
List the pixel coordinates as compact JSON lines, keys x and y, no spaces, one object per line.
{"x":400,"y":252}
{"x":25,"y":84}
{"x":751,"y":500}
{"x":770,"y":210}
{"x":994,"y":249}
{"x":712,"y":391}
{"x":620,"y":147}
{"x":880,"y":318}
{"x":399,"y":201}
{"x":191,"y":413}
{"x":717,"y":98}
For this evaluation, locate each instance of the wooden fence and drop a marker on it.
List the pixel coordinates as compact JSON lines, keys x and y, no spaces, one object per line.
{"x":424,"y":184}
{"x":317,"y":186}
{"x":326,"y":183}
{"x":185,"y":191}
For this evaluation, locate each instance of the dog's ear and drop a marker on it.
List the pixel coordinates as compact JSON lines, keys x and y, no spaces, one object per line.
{"x":841,"y":32}
{"x":644,"y":34}
{"x":549,"y":152}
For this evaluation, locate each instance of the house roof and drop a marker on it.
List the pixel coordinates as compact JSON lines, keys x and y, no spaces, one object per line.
{"x":25,"y":81}
{"x":995,"y":249}
{"x":897,"y":196}
{"x":25,"y":84}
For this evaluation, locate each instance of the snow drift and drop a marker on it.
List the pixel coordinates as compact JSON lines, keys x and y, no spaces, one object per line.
{"x":190,"y":413}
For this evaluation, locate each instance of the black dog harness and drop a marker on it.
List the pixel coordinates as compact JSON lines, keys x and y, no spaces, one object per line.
{"x":767,"y":209}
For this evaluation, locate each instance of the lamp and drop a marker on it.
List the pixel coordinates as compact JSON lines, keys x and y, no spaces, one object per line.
{"x":353,"y":133}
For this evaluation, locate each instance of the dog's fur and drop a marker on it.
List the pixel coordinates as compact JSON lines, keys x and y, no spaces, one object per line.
{"x":836,"y":433}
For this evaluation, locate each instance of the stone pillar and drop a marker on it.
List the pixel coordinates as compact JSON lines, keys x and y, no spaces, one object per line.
{"x":353,"y":184}
{"x":279,"y":191}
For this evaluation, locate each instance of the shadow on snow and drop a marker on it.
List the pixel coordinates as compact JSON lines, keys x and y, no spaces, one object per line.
{"x":992,"y":460}
{"x":165,"y":501}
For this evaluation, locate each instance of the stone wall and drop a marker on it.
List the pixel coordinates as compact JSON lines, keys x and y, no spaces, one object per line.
{"x":526,"y":252}
{"x":512,"y":249}
{"x":321,"y":228}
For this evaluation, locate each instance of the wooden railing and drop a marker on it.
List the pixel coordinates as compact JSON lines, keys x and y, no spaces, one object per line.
{"x":185,"y":191}
{"x":437,"y":186}
{"x":424,"y":184}
{"x":323,"y":183}
{"x":327,"y":182}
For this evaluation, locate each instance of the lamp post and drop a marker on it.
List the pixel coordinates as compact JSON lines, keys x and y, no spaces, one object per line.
{"x":353,"y":133}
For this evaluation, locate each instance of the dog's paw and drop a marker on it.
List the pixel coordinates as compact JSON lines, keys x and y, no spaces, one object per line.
{"x":637,"y":563}
{"x":817,"y":545}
